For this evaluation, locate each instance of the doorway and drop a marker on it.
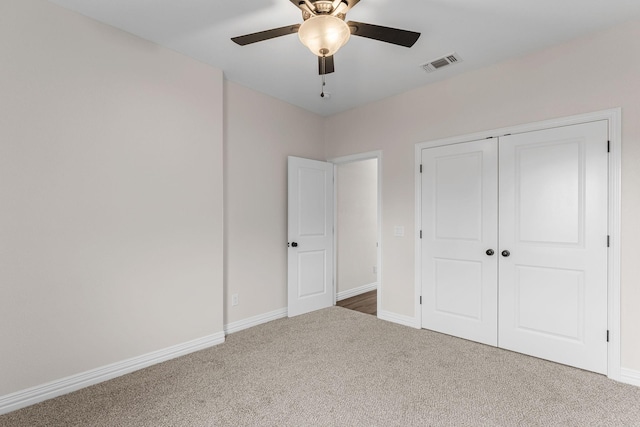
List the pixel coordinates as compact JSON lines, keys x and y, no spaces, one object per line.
{"x":357,"y":232}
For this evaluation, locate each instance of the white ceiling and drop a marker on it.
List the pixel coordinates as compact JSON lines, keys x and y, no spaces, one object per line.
{"x":482,"y":32}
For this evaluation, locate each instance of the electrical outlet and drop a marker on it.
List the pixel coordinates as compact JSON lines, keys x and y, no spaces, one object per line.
{"x":398,"y":231}
{"x":234,"y":299}
{"x":375,"y":270}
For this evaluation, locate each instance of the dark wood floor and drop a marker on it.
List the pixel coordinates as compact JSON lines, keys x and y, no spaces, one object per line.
{"x":364,"y":303}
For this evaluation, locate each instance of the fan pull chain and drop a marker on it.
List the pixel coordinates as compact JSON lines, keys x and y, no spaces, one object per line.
{"x":324,"y":83}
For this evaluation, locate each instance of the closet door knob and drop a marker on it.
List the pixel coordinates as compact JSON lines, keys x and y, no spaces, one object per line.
{"x":506,"y":253}
{"x":490,"y":252}
{"x":294,"y":245}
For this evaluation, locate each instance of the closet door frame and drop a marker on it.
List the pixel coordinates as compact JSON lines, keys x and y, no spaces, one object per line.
{"x":613,"y":117}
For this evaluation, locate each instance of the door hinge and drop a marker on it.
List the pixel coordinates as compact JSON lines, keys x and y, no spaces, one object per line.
{"x":420,"y":299}
{"x":421,"y":234}
{"x":608,"y":241}
{"x":420,"y":168}
{"x":608,"y":146}
{"x":607,"y":335}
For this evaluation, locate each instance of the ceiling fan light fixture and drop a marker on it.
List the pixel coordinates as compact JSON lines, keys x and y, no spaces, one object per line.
{"x":324,"y":35}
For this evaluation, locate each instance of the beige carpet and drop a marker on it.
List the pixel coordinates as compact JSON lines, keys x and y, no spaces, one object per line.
{"x":339,"y":367}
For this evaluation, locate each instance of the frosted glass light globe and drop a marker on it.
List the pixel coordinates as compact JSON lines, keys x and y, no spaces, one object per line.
{"x":324,"y":35}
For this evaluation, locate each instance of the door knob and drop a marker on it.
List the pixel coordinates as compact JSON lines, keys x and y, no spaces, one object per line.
{"x":490,"y":252}
{"x":506,"y":253}
{"x":294,"y":245}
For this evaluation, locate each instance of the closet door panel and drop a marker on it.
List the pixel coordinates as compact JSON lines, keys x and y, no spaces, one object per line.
{"x":459,"y":221}
{"x":553,"y":223}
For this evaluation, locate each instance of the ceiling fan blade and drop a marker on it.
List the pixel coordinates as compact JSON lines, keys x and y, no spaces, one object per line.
{"x":385,"y":34}
{"x":325,"y":65}
{"x":265,"y":35}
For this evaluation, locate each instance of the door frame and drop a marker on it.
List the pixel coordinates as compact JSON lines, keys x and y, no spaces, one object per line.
{"x":613,"y":116}
{"x":351,"y":159}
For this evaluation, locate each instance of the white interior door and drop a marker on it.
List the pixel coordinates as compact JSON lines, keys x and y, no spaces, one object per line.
{"x":310,"y":229}
{"x":459,"y":241}
{"x":553,"y":223}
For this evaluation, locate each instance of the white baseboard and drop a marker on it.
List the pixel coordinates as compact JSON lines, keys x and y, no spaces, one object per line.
{"x":398,"y":318}
{"x":629,"y":376}
{"x":37,"y":394}
{"x":254,"y":321}
{"x":356,"y":291}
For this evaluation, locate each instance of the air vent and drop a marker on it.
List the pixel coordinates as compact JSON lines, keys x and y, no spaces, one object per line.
{"x":436,"y":64}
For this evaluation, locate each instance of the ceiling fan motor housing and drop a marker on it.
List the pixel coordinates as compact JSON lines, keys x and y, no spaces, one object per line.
{"x":323,"y":6}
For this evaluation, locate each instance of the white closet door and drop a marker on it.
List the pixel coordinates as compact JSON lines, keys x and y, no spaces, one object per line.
{"x":553,"y":223}
{"x":459,"y":226}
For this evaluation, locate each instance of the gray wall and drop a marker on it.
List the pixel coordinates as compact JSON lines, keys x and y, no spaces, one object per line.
{"x":111,"y":190}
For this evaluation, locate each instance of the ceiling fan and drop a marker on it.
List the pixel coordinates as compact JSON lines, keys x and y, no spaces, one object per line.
{"x":324,"y":30}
